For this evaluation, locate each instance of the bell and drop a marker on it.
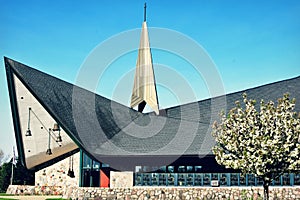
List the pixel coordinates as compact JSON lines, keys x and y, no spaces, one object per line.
{"x":58,"y":138}
{"x":71,"y":173}
{"x":28,"y":133}
{"x":56,"y":127}
{"x":48,"y":152}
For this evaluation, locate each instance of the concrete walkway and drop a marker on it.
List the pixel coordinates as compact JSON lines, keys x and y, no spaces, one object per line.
{"x":29,"y":197}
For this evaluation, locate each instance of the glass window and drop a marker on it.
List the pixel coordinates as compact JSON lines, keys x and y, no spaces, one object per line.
{"x":251,"y":180}
{"x":259,"y":181}
{"x":190,"y":179}
{"x":223,"y":180}
{"x":171,"y":179}
{"x":297,"y":179}
{"x":138,"y":179}
{"x":171,"y":169}
{"x":105,"y":165}
{"x":198,"y":179}
{"x":96,"y":165}
{"x":181,"y":169}
{"x":87,"y":162}
{"x":154,"y":178}
{"x":181,"y":179}
{"x":154,"y":169}
{"x":146,"y":179}
{"x":138,"y":168}
{"x":242,"y":180}
{"x":276,"y":181}
{"x":286,"y":179}
{"x":162,"y":179}
{"x":162,"y":169}
{"x":189,"y":168}
{"x":206,"y":179}
{"x":198,"y":168}
{"x":234,"y":179}
{"x":215,"y":176}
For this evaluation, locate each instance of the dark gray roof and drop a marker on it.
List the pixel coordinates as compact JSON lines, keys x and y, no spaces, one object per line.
{"x":104,"y":128}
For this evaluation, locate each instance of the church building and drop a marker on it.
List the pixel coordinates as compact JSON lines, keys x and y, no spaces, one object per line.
{"x":73,"y":137}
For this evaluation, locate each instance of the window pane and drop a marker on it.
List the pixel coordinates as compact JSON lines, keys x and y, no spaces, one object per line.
{"x":181,"y":169}
{"x":162,"y":169}
{"x":198,"y":179}
{"x":206,"y":179}
{"x":146,"y":179}
{"x":189,"y":168}
{"x":138,"y":179}
{"x":198,"y":168}
{"x":162,"y":179}
{"x":259,"y":181}
{"x":286,"y":179}
{"x":242,"y":180}
{"x":189,"y":179}
{"x":105,"y":165}
{"x":223,"y":179}
{"x":154,"y":179}
{"x":277,"y":181}
{"x":251,"y":180}
{"x":234,"y":177}
{"x":171,"y":169}
{"x":297,"y":179}
{"x":181,"y":179}
{"x":171,"y":179}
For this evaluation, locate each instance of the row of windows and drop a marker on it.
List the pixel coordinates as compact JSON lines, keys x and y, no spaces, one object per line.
{"x":179,"y":176}
{"x":88,"y":163}
{"x":204,"y":179}
{"x":170,"y":169}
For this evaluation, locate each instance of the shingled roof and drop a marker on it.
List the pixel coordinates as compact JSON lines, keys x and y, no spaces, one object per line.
{"x":104,"y":128}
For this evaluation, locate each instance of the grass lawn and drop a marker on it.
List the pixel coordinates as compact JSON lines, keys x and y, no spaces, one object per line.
{"x":4,"y":194}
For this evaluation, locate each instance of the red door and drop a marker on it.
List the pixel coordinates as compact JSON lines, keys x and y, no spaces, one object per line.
{"x":104,"y":177}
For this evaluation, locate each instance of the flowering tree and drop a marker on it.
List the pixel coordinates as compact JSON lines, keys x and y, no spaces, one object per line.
{"x":265,"y":143}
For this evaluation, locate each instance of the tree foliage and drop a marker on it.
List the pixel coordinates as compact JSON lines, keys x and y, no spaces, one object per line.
{"x":265,"y":142}
{"x":21,"y":176}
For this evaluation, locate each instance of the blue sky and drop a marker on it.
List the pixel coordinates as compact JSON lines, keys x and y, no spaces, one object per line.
{"x":251,"y":42}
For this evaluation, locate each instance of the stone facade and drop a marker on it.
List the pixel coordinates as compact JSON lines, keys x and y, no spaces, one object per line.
{"x":121,"y":179}
{"x":159,"y":193}
{"x":56,"y":175}
{"x":183,"y":193}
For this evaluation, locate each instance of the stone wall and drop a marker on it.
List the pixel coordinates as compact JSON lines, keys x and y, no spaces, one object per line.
{"x":159,"y":193}
{"x":182,"y":193}
{"x":56,"y":175}
{"x":121,"y":179}
{"x":35,"y":190}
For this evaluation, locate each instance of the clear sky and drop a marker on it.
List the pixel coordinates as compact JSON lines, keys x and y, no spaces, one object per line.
{"x":251,"y":42}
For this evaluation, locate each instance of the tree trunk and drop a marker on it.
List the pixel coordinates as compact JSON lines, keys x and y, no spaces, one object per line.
{"x":266,"y":190}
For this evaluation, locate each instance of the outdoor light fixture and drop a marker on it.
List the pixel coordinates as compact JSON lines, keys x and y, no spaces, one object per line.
{"x":57,"y":128}
{"x":28,"y":132}
{"x":71,"y":171}
{"x":49,"y":152}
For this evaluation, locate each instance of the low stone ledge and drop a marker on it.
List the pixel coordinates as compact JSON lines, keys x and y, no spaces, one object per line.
{"x":35,"y":190}
{"x":158,"y":193}
{"x":183,"y":193}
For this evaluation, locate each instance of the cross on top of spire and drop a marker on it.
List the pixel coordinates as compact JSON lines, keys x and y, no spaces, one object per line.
{"x":145,"y":6}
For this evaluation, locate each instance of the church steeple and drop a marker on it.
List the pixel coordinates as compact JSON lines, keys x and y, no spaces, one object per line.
{"x":144,"y":88}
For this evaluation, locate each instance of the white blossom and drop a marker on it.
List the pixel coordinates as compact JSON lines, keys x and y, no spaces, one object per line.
{"x":265,"y":142}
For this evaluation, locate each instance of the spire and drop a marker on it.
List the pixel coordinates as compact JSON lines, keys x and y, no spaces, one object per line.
{"x":144,"y":88}
{"x":145,"y":9}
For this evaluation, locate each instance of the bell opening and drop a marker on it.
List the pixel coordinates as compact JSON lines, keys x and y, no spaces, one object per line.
{"x":28,"y":133}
